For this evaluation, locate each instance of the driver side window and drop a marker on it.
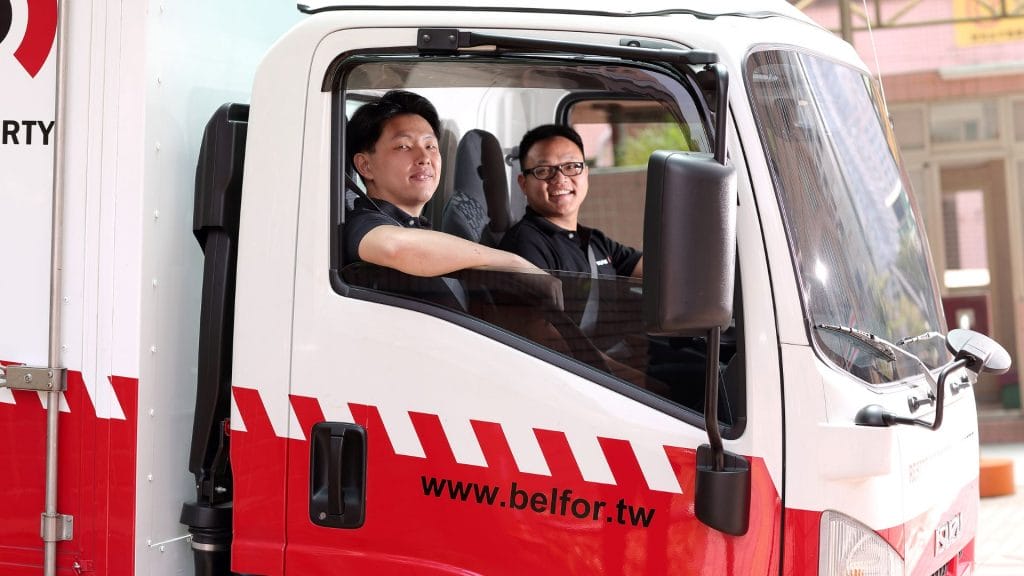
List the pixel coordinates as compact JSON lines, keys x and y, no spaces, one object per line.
{"x":585,"y":317}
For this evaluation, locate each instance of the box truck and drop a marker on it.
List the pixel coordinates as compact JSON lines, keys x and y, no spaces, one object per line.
{"x":195,"y":380}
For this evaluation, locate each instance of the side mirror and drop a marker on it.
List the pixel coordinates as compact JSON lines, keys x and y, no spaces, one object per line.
{"x":689,"y":275}
{"x":982,"y":353}
{"x":689,"y":243}
{"x":976,"y":352}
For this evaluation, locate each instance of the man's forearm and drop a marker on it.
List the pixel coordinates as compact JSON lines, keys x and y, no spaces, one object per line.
{"x":638,"y":270}
{"x":430,"y":253}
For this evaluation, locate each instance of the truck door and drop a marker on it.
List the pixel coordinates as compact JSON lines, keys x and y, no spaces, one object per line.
{"x":478,"y":423}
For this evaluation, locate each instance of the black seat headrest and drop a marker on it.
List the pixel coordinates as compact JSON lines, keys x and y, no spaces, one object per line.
{"x":479,"y":207}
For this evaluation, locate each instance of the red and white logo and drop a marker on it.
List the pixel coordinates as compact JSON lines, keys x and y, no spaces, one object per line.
{"x":31,"y":31}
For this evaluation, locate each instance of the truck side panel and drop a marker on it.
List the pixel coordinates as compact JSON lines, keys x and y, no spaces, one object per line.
{"x":27,"y":73}
{"x":198,"y":56}
{"x":142,"y":80}
{"x":99,"y":298}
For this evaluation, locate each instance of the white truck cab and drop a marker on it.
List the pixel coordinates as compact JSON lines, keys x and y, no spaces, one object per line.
{"x":776,"y":395}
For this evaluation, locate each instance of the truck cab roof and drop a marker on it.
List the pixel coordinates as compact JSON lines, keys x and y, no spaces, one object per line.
{"x":699,"y":8}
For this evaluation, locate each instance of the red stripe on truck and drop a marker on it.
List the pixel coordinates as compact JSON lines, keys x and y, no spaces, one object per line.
{"x":434,"y":515}
{"x":97,"y":478}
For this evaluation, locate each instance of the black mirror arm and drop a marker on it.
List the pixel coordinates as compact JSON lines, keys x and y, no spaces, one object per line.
{"x":722,"y":482}
{"x":711,"y":400}
{"x":973,"y":362}
{"x":940,"y":393}
{"x":875,"y":415}
{"x":721,"y":112}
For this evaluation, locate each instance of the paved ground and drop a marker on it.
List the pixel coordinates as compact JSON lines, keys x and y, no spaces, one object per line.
{"x":999,"y":548}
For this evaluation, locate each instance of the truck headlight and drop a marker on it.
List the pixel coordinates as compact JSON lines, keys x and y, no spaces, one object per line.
{"x":849,"y":548}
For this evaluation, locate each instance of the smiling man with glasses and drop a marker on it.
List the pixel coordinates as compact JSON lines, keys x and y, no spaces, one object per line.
{"x":554,"y":180}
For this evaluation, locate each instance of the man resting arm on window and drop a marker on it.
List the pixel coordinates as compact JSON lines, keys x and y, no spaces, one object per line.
{"x":393,"y":144}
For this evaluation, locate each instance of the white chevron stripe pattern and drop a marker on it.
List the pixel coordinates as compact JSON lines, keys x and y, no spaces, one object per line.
{"x":102,"y":397}
{"x":522,"y":441}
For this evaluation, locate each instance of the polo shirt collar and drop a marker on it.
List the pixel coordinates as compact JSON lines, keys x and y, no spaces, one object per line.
{"x":548,"y":227}
{"x":394,"y":212}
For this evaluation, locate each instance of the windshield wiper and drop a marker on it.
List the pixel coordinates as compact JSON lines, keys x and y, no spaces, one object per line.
{"x":884,"y":348}
{"x":887,"y":349}
{"x":931,"y":335}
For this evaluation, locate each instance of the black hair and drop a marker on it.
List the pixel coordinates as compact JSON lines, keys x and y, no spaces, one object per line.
{"x":543,"y":132}
{"x":367,"y":123}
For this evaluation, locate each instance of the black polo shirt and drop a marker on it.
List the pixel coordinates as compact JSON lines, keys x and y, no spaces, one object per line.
{"x":364,"y":217}
{"x":551,"y":247}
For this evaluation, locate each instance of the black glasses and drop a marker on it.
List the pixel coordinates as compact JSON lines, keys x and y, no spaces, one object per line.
{"x":548,"y":172}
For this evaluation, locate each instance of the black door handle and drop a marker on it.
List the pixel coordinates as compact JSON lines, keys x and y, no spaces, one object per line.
{"x":337,"y":475}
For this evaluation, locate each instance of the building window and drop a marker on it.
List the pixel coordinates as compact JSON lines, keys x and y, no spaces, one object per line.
{"x":963,"y":215}
{"x":964,"y":122}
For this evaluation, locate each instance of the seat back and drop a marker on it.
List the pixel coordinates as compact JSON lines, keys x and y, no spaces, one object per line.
{"x":446,"y":141}
{"x":478,"y":209}
{"x":517,"y":198}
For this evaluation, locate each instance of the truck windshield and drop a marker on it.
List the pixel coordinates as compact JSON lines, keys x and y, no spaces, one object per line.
{"x":856,"y":237}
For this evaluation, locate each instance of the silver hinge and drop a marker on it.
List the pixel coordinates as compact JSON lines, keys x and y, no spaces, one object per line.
{"x":56,"y":527}
{"x":30,"y":378}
